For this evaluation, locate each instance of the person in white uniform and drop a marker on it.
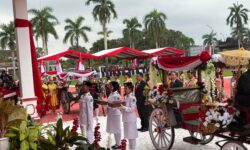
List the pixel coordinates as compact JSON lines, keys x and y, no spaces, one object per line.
{"x":129,"y":116}
{"x":114,"y":114}
{"x":86,"y":112}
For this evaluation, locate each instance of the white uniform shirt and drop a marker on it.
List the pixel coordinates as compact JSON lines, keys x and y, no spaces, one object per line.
{"x":114,"y":97}
{"x":128,"y":114}
{"x":86,"y":109}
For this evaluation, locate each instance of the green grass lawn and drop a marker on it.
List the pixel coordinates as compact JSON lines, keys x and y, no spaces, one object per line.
{"x":227,"y":73}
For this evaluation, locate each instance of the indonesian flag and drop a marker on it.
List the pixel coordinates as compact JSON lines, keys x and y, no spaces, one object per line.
{"x":135,"y":62}
{"x":210,"y":50}
{"x":58,"y":66}
{"x":42,"y":66}
{"x":202,"y":48}
{"x":80,"y":65}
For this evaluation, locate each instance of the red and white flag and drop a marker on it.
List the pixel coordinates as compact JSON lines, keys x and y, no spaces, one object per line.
{"x":58,"y":66}
{"x":80,"y":65}
{"x":135,"y":62}
{"x":42,"y":67}
{"x":210,"y":50}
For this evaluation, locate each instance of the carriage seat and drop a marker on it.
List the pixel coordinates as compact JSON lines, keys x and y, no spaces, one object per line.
{"x":187,"y":95}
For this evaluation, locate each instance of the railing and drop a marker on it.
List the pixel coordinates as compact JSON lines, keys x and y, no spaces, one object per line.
{"x":6,"y":64}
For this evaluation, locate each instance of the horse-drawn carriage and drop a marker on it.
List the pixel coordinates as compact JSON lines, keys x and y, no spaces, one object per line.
{"x":195,"y":109}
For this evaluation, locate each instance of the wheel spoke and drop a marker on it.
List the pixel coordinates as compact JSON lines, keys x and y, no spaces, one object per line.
{"x":159,"y":140}
{"x":155,"y":137}
{"x":167,"y":133}
{"x":154,"y":124}
{"x":155,"y":120}
{"x":167,"y":138}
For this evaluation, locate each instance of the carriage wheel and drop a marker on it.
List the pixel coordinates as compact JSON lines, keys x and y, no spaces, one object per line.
{"x":161,"y":134}
{"x":205,"y":139}
{"x":233,"y":145}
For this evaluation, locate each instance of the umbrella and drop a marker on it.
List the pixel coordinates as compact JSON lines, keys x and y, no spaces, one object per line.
{"x":236,"y":58}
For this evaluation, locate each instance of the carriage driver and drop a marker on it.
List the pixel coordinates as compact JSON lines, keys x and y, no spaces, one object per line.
{"x":242,"y":97}
{"x":86,"y":112}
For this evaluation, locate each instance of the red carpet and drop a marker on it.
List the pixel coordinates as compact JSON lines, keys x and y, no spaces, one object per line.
{"x":75,"y":108}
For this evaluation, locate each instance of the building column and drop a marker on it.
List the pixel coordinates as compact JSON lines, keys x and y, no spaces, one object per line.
{"x":28,"y":98}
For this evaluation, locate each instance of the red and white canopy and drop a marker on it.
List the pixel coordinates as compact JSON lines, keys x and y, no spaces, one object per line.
{"x":122,"y":52}
{"x":165,"y":51}
{"x":181,"y":63}
{"x":68,"y":54}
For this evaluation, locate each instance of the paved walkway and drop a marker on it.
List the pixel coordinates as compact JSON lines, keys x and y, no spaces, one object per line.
{"x":144,"y":141}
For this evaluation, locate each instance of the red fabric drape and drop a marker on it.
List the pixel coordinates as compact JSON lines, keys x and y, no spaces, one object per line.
{"x":177,"y":62}
{"x":19,"y":23}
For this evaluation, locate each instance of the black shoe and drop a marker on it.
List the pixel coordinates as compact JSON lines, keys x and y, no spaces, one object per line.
{"x":144,"y":130}
{"x":140,"y":129}
{"x":115,"y":146}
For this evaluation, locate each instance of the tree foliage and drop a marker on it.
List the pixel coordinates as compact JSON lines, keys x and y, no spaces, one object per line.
{"x":237,"y":18}
{"x":131,"y":32}
{"x":155,"y":25}
{"x":75,"y":30}
{"x":43,"y":23}
{"x":7,"y":36}
{"x":103,"y":12}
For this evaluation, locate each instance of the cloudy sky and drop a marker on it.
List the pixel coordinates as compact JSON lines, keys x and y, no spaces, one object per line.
{"x":192,"y":17}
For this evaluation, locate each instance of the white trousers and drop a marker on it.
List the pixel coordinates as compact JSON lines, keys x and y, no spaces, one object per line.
{"x":132,"y":144}
{"x":117,"y":138}
{"x":87,"y":133}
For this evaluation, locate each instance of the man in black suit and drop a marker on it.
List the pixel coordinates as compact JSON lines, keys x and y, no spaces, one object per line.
{"x":142,"y":108}
{"x":242,"y":97}
{"x":175,"y":82}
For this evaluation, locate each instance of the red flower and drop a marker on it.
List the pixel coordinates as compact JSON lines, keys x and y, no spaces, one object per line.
{"x":230,"y":110}
{"x":170,"y":93}
{"x":97,"y":135}
{"x":160,"y":89}
{"x":75,"y":125}
{"x":204,"y":56}
{"x":123,"y":144}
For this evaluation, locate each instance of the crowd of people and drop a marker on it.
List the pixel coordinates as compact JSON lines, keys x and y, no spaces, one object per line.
{"x":90,"y":91}
{"x":114,"y":114}
{"x":7,"y":81}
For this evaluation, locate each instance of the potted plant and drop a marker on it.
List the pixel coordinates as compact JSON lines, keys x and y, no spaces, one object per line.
{"x":58,"y":138}
{"x":10,"y":115}
{"x":24,"y":137}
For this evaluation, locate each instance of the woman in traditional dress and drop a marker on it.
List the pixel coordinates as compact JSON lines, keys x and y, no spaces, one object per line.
{"x":53,"y":95}
{"x":127,"y":78}
{"x":114,"y":114}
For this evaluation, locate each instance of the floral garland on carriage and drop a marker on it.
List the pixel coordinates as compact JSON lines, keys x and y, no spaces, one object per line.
{"x":217,"y":111}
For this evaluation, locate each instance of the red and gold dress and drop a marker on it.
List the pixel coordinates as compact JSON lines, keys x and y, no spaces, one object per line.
{"x":53,"y":94}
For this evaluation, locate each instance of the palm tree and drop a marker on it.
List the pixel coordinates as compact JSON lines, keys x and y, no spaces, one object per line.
{"x":102,"y":12}
{"x":131,"y":30}
{"x":209,"y":39}
{"x":247,"y":36}
{"x":155,"y":25}
{"x":8,"y":40}
{"x":238,"y":16}
{"x":75,"y":30}
{"x":108,"y":33}
{"x":7,"y":36}
{"x":43,"y":25}
{"x":239,"y":32}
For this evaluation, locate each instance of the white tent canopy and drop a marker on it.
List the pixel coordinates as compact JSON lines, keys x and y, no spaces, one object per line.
{"x":122,"y":52}
{"x":166,"y":51}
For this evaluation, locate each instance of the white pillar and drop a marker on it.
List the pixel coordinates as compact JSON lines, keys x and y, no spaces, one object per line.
{"x":28,"y":97}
